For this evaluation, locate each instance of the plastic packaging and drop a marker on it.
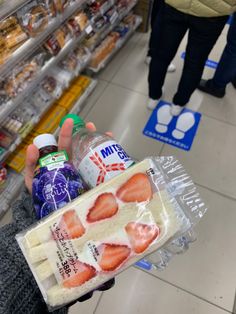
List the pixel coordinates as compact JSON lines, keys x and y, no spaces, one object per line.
{"x":109,"y":228}
{"x":3,"y":177}
{"x":19,"y":121}
{"x":179,"y":181}
{"x":11,"y":37}
{"x":96,"y":156}
{"x":58,"y":40}
{"x":6,"y":138}
{"x":24,"y":73}
{"x":81,"y":19}
{"x":34,"y":17}
{"x":52,"y":86}
{"x":61,"y":5}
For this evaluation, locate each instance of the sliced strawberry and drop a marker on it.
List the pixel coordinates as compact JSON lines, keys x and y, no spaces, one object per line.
{"x":141,"y":235}
{"x":105,"y":207}
{"x":136,"y":189}
{"x":70,"y":225}
{"x":84,"y":273}
{"x":112,"y":256}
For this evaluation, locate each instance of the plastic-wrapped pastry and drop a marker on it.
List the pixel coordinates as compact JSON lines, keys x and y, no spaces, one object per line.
{"x":4,"y":53}
{"x":52,"y":86}
{"x":61,"y":5}
{"x":70,"y":63}
{"x":81,"y":19}
{"x":12,"y":33}
{"x":57,"y":40}
{"x":62,"y":35}
{"x":74,"y":27}
{"x":34,"y":17}
{"x":23,"y":74}
{"x":6,"y":139}
{"x":51,"y":8}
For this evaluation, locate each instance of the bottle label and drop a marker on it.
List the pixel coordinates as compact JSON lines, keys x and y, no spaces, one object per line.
{"x":103,"y":163}
{"x":54,"y":160}
{"x":55,"y":184}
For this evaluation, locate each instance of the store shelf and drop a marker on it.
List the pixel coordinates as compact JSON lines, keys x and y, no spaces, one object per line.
{"x":31,"y":124}
{"x":32,"y":44}
{"x":103,"y":9}
{"x":10,"y":6}
{"x":10,"y":106}
{"x":81,"y":101}
{"x":106,"y":30}
{"x":119,"y":45}
{"x":78,"y":106}
{"x":16,"y":180}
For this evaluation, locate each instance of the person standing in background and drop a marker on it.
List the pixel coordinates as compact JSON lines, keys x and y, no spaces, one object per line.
{"x":205,"y":22}
{"x":156,"y":7}
{"x":226,"y":70}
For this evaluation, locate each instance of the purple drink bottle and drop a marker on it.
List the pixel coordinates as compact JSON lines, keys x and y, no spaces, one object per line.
{"x":56,"y":182}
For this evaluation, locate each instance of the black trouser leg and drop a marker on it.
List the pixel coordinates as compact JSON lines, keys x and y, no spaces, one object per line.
{"x":157,"y":5}
{"x":203,"y":34}
{"x":156,"y":15}
{"x":166,"y":38}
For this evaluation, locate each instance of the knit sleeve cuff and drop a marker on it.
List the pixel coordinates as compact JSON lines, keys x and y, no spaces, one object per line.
{"x":22,"y":210}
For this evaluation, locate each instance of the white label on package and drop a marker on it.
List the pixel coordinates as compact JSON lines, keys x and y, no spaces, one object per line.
{"x":88,"y":29}
{"x":105,"y":162}
{"x":64,"y":259}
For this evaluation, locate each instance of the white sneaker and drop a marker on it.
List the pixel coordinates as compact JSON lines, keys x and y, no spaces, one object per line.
{"x":175,"y":110}
{"x":152,"y":103}
{"x":171,"y":68}
{"x":148,"y":60}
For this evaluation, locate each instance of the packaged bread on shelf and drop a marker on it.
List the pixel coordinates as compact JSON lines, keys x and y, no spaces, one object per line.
{"x":12,"y":33}
{"x":34,"y":17}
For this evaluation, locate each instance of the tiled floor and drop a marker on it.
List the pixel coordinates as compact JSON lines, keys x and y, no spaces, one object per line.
{"x":202,"y":281}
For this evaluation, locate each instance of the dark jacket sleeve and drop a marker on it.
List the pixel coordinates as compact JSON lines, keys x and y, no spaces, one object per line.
{"x":19,"y":293}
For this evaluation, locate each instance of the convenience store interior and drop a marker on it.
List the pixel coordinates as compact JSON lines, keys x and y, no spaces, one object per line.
{"x":202,"y":280}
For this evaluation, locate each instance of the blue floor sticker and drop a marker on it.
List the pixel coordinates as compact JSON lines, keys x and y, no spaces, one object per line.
{"x":209,"y":63}
{"x":177,"y":131}
{"x":144,"y":264}
{"x":230,"y":20}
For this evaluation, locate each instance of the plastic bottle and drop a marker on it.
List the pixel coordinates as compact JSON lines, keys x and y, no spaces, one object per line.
{"x":56,"y":182}
{"x":96,"y":156}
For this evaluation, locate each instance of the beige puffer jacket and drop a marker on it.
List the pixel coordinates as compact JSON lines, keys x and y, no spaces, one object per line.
{"x":204,"y":8}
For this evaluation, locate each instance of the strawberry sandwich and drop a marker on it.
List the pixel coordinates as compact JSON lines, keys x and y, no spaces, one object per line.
{"x":101,"y":233}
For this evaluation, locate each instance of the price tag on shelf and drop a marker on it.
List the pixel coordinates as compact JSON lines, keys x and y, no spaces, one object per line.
{"x":88,"y":29}
{"x":114,"y":17}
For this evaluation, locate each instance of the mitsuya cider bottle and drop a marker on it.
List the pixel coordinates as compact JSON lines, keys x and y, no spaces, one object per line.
{"x":97,"y":157}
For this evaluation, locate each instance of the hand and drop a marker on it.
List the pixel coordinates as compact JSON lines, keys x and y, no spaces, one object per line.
{"x":64,"y":143}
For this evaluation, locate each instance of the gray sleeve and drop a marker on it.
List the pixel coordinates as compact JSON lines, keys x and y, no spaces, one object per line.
{"x":19,"y":293}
